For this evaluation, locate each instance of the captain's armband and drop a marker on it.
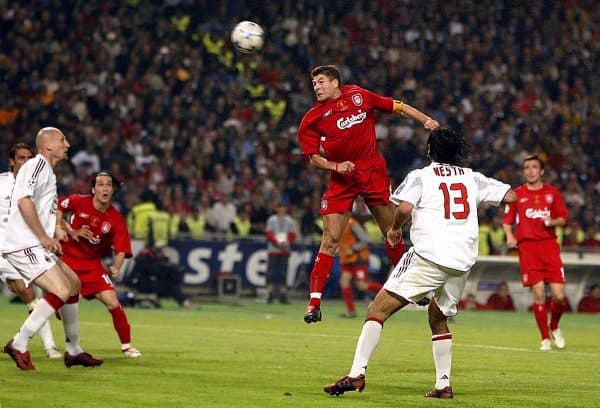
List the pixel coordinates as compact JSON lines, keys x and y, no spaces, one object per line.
{"x":397,"y":107}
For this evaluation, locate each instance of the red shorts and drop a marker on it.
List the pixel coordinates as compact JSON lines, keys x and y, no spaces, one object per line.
{"x":540,"y":261}
{"x":369,"y":179}
{"x":93,"y":276}
{"x":359,"y":272}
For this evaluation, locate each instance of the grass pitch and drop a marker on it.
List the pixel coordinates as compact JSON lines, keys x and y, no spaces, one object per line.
{"x":257,"y":355}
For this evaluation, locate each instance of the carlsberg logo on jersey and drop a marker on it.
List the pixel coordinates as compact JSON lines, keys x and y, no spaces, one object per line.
{"x":347,"y":123}
{"x":533,"y":214}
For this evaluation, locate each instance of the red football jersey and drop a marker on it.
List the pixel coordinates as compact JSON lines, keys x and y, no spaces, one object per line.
{"x":530,"y":209}
{"x":109,"y":229}
{"x":343,"y":128}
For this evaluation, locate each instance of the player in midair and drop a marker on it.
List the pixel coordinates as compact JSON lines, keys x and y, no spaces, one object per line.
{"x":96,"y":229}
{"x":442,"y":200}
{"x":338,"y":134}
{"x":540,"y":208}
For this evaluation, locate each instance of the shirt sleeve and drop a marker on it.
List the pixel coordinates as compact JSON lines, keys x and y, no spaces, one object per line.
{"x":491,"y":191}
{"x":410,"y":190}
{"x":383,"y":103}
{"x":308,"y":137}
{"x":121,"y":240}
{"x":67,"y":204}
{"x":560,"y":208}
{"x":32,"y":174}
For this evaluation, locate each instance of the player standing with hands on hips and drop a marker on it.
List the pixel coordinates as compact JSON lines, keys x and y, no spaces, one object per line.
{"x":338,"y":134}
{"x":30,"y":247}
{"x":539,"y":209}
{"x":442,"y":200}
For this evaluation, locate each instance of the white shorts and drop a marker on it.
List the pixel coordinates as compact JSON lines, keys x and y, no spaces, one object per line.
{"x":31,"y":262}
{"x":414,"y":278}
{"x":7,"y":271}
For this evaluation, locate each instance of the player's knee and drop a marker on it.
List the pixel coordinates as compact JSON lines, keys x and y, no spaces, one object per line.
{"x":361,"y":285}
{"x":329,"y":245}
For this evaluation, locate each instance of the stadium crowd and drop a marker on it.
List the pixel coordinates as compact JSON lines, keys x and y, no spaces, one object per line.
{"x":154,"y":92}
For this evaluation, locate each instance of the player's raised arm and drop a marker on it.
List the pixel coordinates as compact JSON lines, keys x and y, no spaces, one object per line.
{"x":405,"y":109}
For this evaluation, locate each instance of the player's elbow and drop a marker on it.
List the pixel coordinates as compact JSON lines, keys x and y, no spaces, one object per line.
{"x":510,"y":197}
{"x":23,"y":202}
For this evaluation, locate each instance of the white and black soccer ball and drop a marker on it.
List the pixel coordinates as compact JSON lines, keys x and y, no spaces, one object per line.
{"x":247,"y":37}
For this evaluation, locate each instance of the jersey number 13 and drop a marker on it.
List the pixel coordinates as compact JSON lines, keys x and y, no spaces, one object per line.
{"x":455,"y":198}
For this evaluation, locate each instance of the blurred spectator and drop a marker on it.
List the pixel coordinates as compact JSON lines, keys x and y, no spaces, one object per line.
{"x":501,"y":299}
{"x":241,"y":224}
{"x":222,"y":214}
{"x":177,"y":95}
{"x":590,"y":303}
{"x":138,"y":219}
{"x":154,"y":273}
{"x":470,"y":303}
{"x":281,"y":234}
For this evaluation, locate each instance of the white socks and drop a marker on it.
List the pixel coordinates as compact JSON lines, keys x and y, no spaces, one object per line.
{"x":365,"y":347}
{"x":442,"y":356}
{"x":40,"y":315}
{"x":70,"y":317}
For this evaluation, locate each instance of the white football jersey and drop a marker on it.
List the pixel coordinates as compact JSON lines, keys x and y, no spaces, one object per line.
{"x":36,"y":179}
{"x":445,"y":229}
{"x":7,"y":182}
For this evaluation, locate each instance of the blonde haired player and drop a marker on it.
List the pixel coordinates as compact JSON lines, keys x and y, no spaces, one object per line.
{"x":442,"y":200}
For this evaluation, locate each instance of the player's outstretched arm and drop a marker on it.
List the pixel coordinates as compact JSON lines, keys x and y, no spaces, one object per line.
{"x":413,"y":113}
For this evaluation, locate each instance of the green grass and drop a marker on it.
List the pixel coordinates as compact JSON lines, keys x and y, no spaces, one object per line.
{"x":259,"y":355}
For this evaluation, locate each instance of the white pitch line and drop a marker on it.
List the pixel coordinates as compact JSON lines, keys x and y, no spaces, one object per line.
{"x":236,"y":332}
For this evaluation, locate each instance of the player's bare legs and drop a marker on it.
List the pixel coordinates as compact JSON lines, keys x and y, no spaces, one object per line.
{"x":62,"y":293}
{"x":27,"y":296}
{"x":538,"y":291}
{"x":384,"y":216}
{"x":558,"y":305}
{"x":384,"y":306}
{"x":58,"y":290}
{"x":120,"y":322}
{"x":333,"y":228}
{"x":347,"y":293}
{"x":441,"y":340}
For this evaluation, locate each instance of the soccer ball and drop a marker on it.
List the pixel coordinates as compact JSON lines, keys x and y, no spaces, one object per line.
{"x":247,"y":37}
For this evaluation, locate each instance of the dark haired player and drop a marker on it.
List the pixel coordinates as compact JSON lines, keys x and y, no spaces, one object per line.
{"x":95,"y":229}
{"x":18,"y":154}
{"x":442,"y":200}
{"x":538,"y":211}
{"x":338,"y":134}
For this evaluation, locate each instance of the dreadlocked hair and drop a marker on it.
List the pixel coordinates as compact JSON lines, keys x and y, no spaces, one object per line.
{"x":446,"y":145}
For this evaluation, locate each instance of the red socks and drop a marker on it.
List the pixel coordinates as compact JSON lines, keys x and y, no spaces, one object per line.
{"x":319,"y":276}
{"x":395,"y":252}
{"x":541,"y":318}
{"x":556,"y":311}
{"x":121,"y":324}
{"x":374,"y":287}
{"x":348,"y":296}
{"x":54,"y":301}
